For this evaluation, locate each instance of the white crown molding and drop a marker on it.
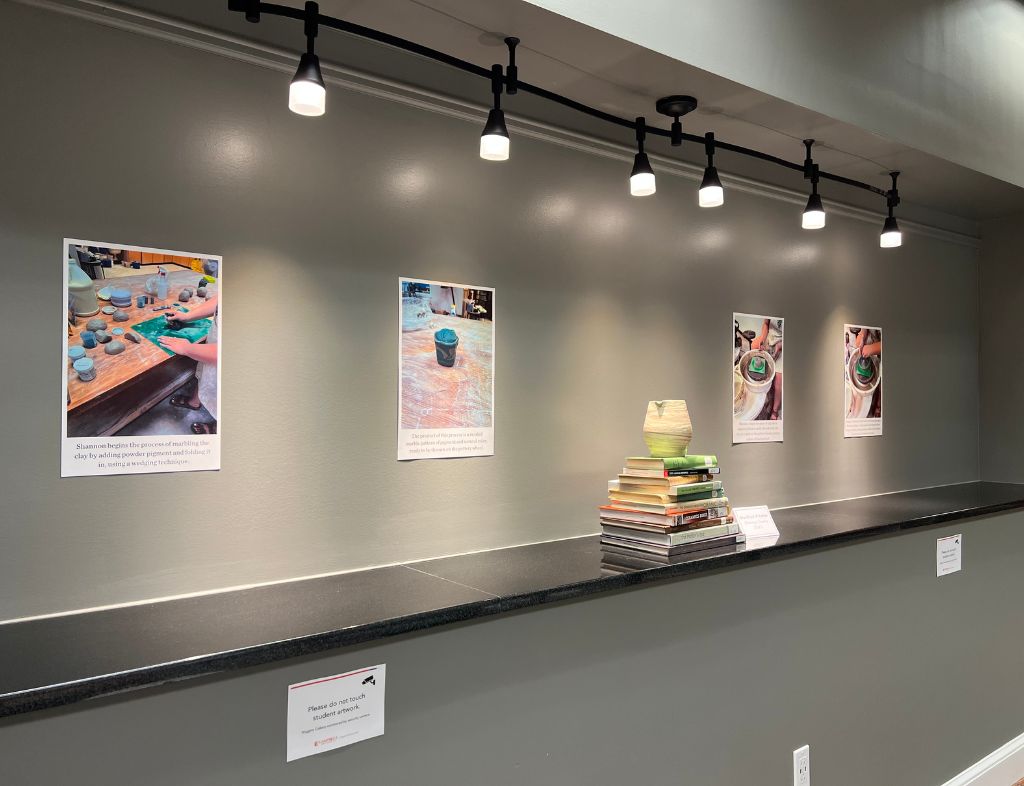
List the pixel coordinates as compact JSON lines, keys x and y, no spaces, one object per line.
{"x":215,"y":42}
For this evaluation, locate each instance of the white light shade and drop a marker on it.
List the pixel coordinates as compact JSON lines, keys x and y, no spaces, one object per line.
{"x":494,"y":147}
{"x":813,"y":219}
{"x":891,"y":236}
{"x":642,"y":184}
{"x":814,"y":213}
{"x":307,"y":98}
{"x":711,"y":196}
{"x":891,"y":239}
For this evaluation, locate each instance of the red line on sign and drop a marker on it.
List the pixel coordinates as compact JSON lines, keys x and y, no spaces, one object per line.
{"x":329,"y":679}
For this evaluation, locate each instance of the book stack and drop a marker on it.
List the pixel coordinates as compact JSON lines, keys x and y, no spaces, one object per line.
{"x":660,"y":510}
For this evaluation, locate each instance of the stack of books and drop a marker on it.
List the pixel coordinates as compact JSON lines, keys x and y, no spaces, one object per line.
{"x":662,"y":509}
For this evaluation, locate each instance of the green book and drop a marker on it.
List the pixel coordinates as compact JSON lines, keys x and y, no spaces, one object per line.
{"x":676,"y":462}
{"x":699,"y":490}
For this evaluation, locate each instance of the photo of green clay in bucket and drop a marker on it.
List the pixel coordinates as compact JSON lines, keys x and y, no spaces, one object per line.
{"x":446,"y":342}
{"x":757,"y":368}
{"x":863,"y":373}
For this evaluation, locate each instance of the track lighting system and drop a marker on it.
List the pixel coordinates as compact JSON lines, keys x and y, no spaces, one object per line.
{"x":307,"y":96}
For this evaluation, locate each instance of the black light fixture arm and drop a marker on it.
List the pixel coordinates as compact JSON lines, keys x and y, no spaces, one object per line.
{"x":512,"y":72}
{"x":312,"y":25}
{"x":497,"y":84}
{"x":709,"y":147}
{"x":253,"y":10}
{"x":641,"y":134}
{"x":892,"y":197}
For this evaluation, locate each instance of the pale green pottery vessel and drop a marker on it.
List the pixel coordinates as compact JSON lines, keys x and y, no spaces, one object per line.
{"x":667,"y":428}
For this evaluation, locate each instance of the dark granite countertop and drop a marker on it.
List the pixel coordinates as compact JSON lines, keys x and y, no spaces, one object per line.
{"x":59,"y":660}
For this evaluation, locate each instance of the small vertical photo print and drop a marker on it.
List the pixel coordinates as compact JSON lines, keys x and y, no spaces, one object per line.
{"x":445,"y":370}
{"x":757,"y":378}
{"x":862,"y":376}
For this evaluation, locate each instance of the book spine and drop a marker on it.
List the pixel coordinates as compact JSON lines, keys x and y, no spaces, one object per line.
{"x":676,"y":473}
{"x":700,"y":515}
{"x":703,"y":533}
{"x":690,"y":462}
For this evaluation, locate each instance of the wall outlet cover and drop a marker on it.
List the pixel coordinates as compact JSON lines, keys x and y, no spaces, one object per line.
{"x":802,"y":766}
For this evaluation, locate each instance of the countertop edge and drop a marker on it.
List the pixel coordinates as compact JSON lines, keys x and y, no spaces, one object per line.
{"x":63,"y":694}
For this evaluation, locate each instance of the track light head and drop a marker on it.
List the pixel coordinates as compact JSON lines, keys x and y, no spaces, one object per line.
{"x":494,"y":141}
{"x":814,"y":213}
{"x":307,"y":94}
{"x":641,"y":179}
{"x":711,"y":193}
{"x":891,"y":236}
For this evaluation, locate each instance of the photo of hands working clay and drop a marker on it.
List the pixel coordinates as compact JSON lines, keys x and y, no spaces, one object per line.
{"x":757,"y":367}
{"x":447,"y":356}
{"x":862,"y":374}
{"x":141,"y":351}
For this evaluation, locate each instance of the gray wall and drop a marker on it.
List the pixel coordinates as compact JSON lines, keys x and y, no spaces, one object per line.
{"x":891,"y":675}
{"x":604,"y":302}
{"x":1002,"y":378}
{"x":939,"y":75}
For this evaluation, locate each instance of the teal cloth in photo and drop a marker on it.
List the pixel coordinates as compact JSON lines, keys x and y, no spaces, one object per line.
{"x":154,"y":329}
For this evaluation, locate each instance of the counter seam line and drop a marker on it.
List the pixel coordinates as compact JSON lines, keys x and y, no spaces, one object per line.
{"x":452,"y":581}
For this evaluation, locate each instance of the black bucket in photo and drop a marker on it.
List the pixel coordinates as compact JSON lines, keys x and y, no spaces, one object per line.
{"x":446,"y":342}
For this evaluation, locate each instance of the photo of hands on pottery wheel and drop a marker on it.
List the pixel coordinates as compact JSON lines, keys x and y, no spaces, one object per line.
{"x":141,"y":343}
{"x":862,"y":375}
{"x":446,"y":357}
{"x":757,"y":377}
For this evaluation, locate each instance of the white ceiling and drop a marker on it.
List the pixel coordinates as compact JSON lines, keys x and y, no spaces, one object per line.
{"x":620,"y":77}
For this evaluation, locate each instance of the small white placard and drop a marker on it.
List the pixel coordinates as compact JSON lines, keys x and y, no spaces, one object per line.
{"x":756,"y":522}
{"x":332,"y":712}
{"x":948,"y":552}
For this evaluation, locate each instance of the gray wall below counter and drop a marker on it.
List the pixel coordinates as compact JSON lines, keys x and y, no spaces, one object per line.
{"x":891,"y":675}
{"x":603,"y":303}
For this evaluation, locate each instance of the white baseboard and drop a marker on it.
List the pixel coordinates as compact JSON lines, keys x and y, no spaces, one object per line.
{"x":1002,"y":767}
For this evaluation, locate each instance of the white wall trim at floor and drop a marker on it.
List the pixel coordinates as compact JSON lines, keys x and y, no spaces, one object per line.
{"x":113,"y":14}
{"x":1002,"y":767}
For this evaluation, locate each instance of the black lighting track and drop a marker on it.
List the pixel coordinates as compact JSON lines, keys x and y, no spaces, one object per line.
{"x":253,"y":10}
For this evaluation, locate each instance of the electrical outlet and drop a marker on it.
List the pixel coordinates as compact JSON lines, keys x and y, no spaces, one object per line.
{"x":802,"y":766}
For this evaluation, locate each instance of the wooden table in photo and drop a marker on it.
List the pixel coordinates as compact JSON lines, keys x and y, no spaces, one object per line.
{"x":128,"y":384}
{"x":434,"y":396}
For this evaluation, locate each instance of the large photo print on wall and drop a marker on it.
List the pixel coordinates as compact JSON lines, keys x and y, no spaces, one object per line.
{"x":757,"y":378}
{"x":445,"y":370}
{"x":139,"y":371}
{"x":862,"y":375}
